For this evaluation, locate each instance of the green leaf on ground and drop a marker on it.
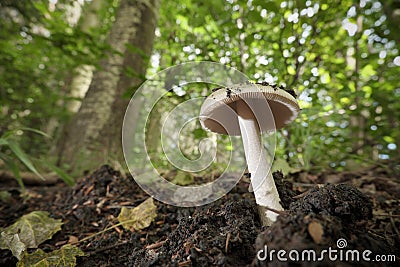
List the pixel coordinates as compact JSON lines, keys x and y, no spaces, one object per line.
{"x":183,"y":178}
{"x":139,"y":217}
{"x":65,"y":256}
{"x":5,"y":196}
{"x":13,"y":243}
{"x":31,"y":229}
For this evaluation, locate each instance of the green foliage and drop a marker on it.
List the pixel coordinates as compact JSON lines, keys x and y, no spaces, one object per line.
{"x":40,"y":47}
{"x":183,"y":178}
{"x":337,"y":55}
{"x":63,"y":257}
{"x":29,"y":231}
{"x":11,"y":152}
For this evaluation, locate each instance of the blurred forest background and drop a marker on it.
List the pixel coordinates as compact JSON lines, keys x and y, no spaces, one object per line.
{"x":69,"y":67}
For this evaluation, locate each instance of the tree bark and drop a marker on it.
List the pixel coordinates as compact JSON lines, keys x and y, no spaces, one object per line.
{"x":82,"y":75}
{"x":357,"y":121}
{"x":78,"y":81}
{"x":93,"y":136}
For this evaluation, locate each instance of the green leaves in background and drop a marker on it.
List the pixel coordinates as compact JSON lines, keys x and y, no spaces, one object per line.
{"x":183,"y":178}
{"x":16,"y":149}
{"x":11,"y":152}
{"x":347,"y":82}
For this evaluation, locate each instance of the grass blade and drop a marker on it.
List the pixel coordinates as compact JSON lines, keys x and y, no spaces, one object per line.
{"x":23,"y":157}
{"x":14,"y":168}
{"x":63,"y":175}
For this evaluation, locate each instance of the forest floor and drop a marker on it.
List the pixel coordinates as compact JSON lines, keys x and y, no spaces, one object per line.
{"x":360,"y":208}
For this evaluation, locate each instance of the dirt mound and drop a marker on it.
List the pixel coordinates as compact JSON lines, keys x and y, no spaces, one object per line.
{"x":218,"y":234}
{"x":333,"y":216}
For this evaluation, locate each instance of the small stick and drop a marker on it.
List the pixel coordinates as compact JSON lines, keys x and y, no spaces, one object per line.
{"x":301,"y":195}
{"x":185,"y":263}
{"x":308,"y":185}
{"x":394,"y":225}
{"x":228,"y":237}
{"x":107,"y":248}
{"x":387,"y":215}
{"x":155,"y":245}
{"x":280,"y":212}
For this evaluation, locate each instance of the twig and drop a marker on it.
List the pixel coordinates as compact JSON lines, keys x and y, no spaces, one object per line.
{"x":184,"y":263}
{"x":280,"y":212}
{"x":31,"y":179}
{"x":228,"y":237}
{"x":104,"y":230}
{"x":155,"y":245}
{"x":394,"y":225}
{"x":301,"y":195}
{"x":93,"y":252}
{"x":387,"y":215}
{"x":308,"y":185}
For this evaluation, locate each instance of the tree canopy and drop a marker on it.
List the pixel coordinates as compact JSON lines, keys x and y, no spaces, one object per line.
{"x":341,"y":57}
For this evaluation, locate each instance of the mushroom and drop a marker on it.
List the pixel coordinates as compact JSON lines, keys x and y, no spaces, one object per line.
{"x":248,"y":110}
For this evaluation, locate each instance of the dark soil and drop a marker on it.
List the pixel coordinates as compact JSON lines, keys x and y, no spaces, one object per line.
{"x":360,"y":207}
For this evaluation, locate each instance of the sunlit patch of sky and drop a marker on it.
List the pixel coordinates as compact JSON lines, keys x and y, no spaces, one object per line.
{"x":294,"y":17}
{"x":263,"y":60}
{"x":391,"y":146}
{"x":396,"y":61}
{"x":350,"y":27}
{"x":263,"y":13}
{"x":291,"y":39}
{"x":305,"y":96}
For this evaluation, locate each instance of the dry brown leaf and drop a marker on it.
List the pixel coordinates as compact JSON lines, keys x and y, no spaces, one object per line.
{"x":73,"y":239}
{"x":139,"y":217}
{"x":316,"y":231}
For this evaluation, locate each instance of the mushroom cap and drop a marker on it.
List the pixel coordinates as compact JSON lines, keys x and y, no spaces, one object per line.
{"x":272,"y":107}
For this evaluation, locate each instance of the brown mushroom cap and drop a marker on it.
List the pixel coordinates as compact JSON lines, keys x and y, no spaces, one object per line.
{"x":218,"y":112}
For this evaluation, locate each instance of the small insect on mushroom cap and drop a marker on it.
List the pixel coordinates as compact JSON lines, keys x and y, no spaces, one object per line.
{"x":274,"y":108}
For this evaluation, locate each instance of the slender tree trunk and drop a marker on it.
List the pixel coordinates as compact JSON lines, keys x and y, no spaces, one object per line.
{"x":77,"y":82}
{"x":82,"y":75}
{"x":94,"y":135}
{"x":357,"y":121}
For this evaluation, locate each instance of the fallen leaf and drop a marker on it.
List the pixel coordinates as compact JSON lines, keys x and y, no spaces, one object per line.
{"x":5,"y":196}
{"x":14,"y":244}
{"x":183,"y":178}
{"x":139,"y":217}
{"x":73,"y":239}
{"x":65,"y":256}
{"x":316,"y":231}
{"x":32,"y":229}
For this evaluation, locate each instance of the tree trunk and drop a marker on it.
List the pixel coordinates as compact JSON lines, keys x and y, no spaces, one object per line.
{"x":78,"y":81}
{"x":82,"y":75}
{"x":93,"y":136}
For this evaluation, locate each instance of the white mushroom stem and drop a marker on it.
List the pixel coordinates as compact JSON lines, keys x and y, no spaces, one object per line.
{"x":262,"y":181}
